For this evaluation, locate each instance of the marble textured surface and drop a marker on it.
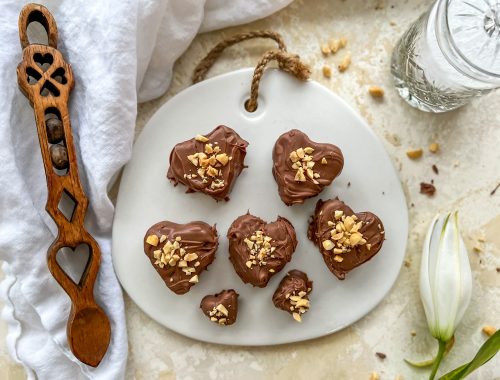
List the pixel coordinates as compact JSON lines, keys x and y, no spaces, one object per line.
{"x":468,"y":172}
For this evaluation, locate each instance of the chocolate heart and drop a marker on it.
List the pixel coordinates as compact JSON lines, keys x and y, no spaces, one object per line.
{"x":221,"y":308}
{"x":345,"y":239}
{"x":303,"y":168}
{"x":258,"y":250}
{"x":180,"y":252}
{"x":292,"y":294}
{"x":209,"y":164}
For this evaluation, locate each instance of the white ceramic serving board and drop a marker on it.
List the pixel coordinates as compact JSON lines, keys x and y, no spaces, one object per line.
{"x":146,"y":197}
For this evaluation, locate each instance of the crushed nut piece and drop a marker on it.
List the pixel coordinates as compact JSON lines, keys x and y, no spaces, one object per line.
{"x":325,"y":49}
{"x":260,"y":248}
{"x":194,"y":279}
{"x":327,"y":71}
{"x":201,"y":138}
{"x":376,"y":91}
{"x":434,"y":147}
{"x":302,"y":161}
{"x":489,"y":330}
{"x":324,"y":161}
{"x":342,"y":42}
{"x":415,"y":153}
{"x":152,"y":240}
{"x":344,"y":235}
{"x":374,"y":376}
{"x":345,"y":63}
{"x":297,"y":317}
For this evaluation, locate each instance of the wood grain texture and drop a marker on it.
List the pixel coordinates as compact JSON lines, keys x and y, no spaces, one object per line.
{"x":47,"y":80}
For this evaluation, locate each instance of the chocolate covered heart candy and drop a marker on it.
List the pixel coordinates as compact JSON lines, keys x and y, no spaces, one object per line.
{"x":180,"y":252}
{"x":209,"y":164}
{"x":303,"y":168}
{"x":258,"y":250}
{"x":221,"y":308}
{"x":345,"y":239}
{"x":292,"y":294}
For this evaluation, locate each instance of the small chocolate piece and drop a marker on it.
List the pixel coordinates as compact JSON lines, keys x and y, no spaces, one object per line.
{"x":427,"y":188}
{"x":59,"y":156}
{"x":55,"y":131}
{"x":345,"y":239}
{"x":258,"y":250}
{"x":180,"y":252}
{"x":209,"y":164}
{"x":292,"y":294}
{"x":303,"y":168}
{"x":221,"y":308}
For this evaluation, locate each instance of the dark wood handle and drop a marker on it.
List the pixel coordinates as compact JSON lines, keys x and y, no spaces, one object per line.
{"x":47,"y":80}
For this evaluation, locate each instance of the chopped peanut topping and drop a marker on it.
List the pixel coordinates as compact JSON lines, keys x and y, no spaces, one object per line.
{"x":209,"y":163}
{"x":299,"y":304}
{"x":434,"y":147}
{"x":172,"y":254}
{"x":489,"y":330}
{"x":376,"y":91}
{"x":344,"y":235}
{"x":415,"y":153}
{"x":260,"y":248}
{"x":327,"y":71}
{"x":219,"y":314}
{"x":152,"y":240}
{"x":302,"y":161}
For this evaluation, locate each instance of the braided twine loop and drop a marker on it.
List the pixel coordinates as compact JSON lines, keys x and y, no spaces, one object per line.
{"x":287,"y":62}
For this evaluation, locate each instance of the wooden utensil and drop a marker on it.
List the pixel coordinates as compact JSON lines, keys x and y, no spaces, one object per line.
{"x":46,"y":80}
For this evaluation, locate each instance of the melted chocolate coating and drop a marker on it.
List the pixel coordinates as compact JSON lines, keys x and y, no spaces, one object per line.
{"x":229,"y":142}
{"x":283,"y":238}
{"x":292,"y":191}
{"x":294,"y":282}
{"x":319,"y":230}
{"x":228,"y":298}
{"x":197,"y":237}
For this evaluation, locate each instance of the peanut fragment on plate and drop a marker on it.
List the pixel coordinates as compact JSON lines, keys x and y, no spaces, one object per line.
{"x":415,"y":153}
{"x":152,"y":240}
{"x":327,"y":71}
{"x":376,"y":91}
{"x":374,"y":376}
{"x":345,"y":63}
{"x":434,"y":147}
{"x":489,"y":330}
{"x":325,"y":49}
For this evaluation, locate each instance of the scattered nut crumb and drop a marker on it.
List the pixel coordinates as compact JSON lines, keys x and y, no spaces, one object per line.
{"x":415,"y":153}
{"x":376,"y":91}
{"x":380,"y":4}
{"x":489,"y":330}
{"x":374,"y":376}
{"x":427,"y":188}
{"x":407,"y":263}
{"x":413,"y":333}
{"x":435,"y":169}
{"x":381,"y":355}
{"x":334,"y":45}
{"x":325,"y":49}
{"x":327,"y":71}
{"x":345,"y":63}
{"x":477,"y":249}
{"x":342,"y":42}
{"x":434,"y":148}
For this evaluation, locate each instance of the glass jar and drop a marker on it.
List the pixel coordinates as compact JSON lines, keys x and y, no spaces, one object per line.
{"x":450,"y":55}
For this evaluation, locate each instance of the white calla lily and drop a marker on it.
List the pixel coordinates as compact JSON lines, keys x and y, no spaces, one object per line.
{"x":445,"y":277}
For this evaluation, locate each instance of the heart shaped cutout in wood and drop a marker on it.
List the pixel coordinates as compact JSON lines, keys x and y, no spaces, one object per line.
{"x":258,"y":250}
{"x":345,"y":239}
{"x":209,"y":164}
{"x":181,"y":252}
{"x":221,"y":308}
{"x":302,"y":168}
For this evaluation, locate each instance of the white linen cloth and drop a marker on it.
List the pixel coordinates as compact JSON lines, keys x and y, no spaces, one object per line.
{"x":122,"y":52}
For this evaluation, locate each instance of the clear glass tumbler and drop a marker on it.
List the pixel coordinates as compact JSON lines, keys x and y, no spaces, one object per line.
{"x":450,"y":55}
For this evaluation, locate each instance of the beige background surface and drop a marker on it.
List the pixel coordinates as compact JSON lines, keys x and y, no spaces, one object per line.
{"x":468,"y":171}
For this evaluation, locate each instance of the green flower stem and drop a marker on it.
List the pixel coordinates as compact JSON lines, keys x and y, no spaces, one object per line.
{"x":439,"y":357}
